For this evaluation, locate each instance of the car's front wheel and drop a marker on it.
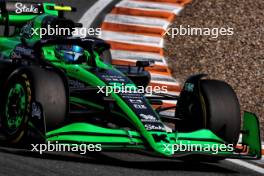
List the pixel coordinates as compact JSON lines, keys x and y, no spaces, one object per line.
{"x":15,"y":107}
{"x":222,"y":109}
{"x":210,"y":104}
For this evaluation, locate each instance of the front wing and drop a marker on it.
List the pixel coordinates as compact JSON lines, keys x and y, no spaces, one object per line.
{"x":175,"y":144}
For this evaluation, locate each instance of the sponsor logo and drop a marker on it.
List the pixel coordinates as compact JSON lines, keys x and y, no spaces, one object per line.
{"x":154,"y":127}
{"x":76,"y":84}
{"x":23,"y":50}
{"x":36,"y":110}
{"x":23,"y":8}
{"x":189,"y":87}
{"x":148,"y":118}
{"x":135,"y":101}
{"x":137,"y":106}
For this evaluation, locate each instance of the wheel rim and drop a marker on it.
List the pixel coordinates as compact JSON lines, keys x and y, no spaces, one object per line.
{"x":15,"y":107}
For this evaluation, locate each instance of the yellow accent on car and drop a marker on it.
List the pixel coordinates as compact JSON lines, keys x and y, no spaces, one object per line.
{"x":63,"y":8}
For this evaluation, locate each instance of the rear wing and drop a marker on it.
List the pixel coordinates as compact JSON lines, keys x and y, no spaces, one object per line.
{"x":15,"y":13}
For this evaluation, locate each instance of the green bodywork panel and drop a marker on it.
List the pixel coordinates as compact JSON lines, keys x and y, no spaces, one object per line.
{"x":251,"y":136}
{"x":7,"y":44}
{"x":160,"y":142}
{"x":121,"y":138}
{"x":22,"y":18}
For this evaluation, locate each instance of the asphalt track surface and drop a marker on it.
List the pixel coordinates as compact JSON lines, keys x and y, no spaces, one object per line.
{"x":23,"y":162}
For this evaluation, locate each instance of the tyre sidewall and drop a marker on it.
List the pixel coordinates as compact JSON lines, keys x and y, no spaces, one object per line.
{"x":17,"y":77}
{"x":222,"y":109}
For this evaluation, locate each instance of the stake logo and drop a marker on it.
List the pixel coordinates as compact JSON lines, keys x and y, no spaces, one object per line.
{"x":23,"y":8}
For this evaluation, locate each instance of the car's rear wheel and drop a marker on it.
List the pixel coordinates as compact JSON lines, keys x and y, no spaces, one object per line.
{"x":28,"y":85}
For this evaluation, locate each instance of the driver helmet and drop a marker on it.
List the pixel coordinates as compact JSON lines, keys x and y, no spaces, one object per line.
{"x":69,"y":53}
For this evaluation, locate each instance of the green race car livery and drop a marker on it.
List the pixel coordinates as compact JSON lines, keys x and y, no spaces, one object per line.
{"x":54,"y":88}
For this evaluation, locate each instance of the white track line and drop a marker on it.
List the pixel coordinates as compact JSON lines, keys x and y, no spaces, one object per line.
{"x":158,"y":77}
{"x":134,"y":56}
{"x":150,"y":6}
{"x":173,"y":93}
{"x":91,"y":14}
{"x":137,"y":39}
{"x":157,"y":63}
{"x":173,"y":102}
{"x":165,"y":83}
{"x":247,"y":165}
{"x":170,"y":113}
{"x":170,"y":93}
{"x":137,"y":20}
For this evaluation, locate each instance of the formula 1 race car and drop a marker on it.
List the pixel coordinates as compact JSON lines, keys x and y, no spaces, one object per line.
{"x":53,"y":89}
